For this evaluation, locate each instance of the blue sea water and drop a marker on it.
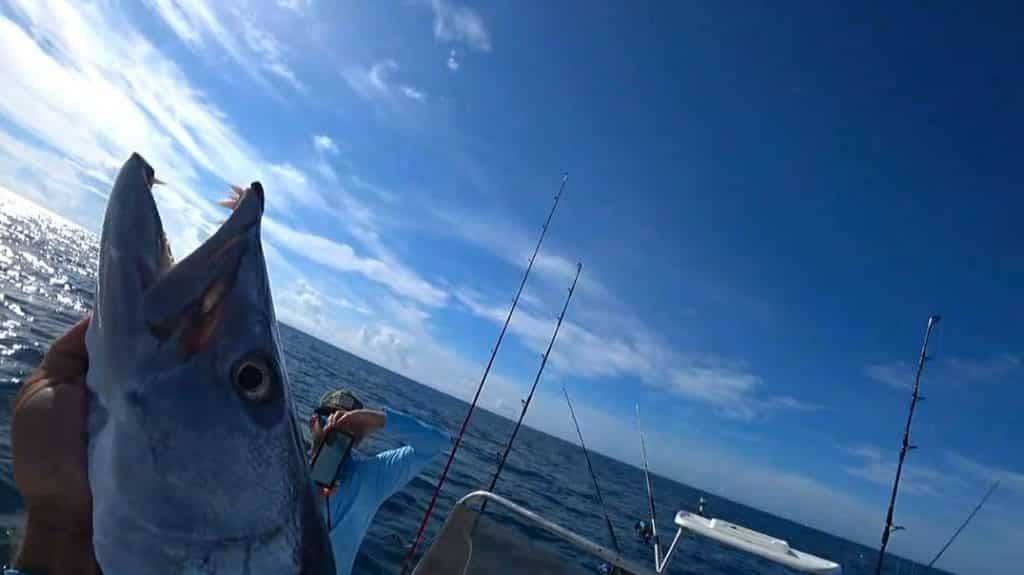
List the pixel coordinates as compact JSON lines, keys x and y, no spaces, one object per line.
{"x":46,"y":271}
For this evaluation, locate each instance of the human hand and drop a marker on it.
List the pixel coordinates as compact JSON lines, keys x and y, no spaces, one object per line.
{"x":48,"y":441}
{"x":358,"y":423}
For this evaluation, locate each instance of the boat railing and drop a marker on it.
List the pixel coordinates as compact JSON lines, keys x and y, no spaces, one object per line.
{"x":470,"y":542}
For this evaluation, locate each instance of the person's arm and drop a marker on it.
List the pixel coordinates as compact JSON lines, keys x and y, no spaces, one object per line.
{"x":392,"y":469}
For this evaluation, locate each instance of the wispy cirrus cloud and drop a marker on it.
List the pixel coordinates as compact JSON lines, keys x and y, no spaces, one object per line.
{"x":377,"y":82}
{"x":954,"y":370}
{"x":342,"y":257}
{"x":295,"y":5}
{"x":201,"y":24}
{"x":412,"y":93}
{"x":898,"y":375}
{"x":992,"y":368}
{"x":456,"y":23}
{"x":1013,"y":480}
{"x":602,"y":338}
{"x":271,"y":53}
{"x":729,"y":386}
{"x":879,"y":468}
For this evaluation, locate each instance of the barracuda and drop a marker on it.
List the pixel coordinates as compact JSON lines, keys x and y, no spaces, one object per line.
{"x":195,"y":460}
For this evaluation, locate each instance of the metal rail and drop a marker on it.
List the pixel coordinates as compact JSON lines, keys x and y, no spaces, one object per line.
{"x":566,"y":535}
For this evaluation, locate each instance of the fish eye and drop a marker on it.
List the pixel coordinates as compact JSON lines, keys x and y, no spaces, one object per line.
{"x":254,"y":378}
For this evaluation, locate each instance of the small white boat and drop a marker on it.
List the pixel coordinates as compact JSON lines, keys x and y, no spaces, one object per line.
{"x":756,"y":543}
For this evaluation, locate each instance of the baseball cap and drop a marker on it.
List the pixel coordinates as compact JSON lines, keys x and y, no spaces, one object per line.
{"x":338,"y":400}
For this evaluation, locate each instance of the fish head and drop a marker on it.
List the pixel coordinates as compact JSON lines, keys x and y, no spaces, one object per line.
{"x":192,"y":436}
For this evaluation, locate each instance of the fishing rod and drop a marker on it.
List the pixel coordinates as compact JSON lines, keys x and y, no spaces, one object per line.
{"x":533,"y":388}
{"x":660,"y":562}
{"x":407,"y":562}
{"x":650,"y":489}
{"x":593,"y":476}
{"x":964,"y":524}
{"x":906,"y":446}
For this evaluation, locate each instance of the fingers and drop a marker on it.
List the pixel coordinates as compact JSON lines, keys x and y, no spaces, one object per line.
{"x":71,"y":345}
{"x":65,"y":362}
{"x":316,"y":432}
{"x":334,"y":420}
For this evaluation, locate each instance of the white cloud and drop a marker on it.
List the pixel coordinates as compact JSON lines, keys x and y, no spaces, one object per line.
{"x":412,"y":93}
{"x":378,"y":191}
{"x":453,"y":60}
{"x":948,"y":371}
{"x":603,"y":339}
{"x":898,"y":375}
{"x":993,"y":368}
{"x":183,"y":18}
{"x":324,"y":144}
{"x":270,"y":52}
{"x":197,"y":22}
{"x":379,"y":72}
{"x":728,"y":386}
{"x":391,"y":333}
{"x":1013,"y":480}
{"x":375,"y":83}
{"x":456,"y":23}
{"x":879,"y":467}
{"x":513,"y":243}
{"x":289,"y":187}
{"x":295,"y":5}
{"x":343,"y":258}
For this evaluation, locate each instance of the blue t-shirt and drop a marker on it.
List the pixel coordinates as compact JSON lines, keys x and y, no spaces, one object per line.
{"x":367,"y":482}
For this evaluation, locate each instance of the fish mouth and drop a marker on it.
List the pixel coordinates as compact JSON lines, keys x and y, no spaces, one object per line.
{"x":140,"y":287}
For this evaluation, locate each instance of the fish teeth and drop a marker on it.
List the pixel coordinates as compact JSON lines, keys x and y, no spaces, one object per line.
{"x":237,"y":193}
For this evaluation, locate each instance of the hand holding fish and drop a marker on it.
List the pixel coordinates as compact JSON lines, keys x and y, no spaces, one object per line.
{"x":48,"y":436}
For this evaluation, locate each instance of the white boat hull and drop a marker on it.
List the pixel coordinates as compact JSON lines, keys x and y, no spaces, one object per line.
{"x":756,"y":543}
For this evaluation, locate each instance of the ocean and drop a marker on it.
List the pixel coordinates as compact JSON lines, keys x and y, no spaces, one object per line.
{"x":46,"y":284}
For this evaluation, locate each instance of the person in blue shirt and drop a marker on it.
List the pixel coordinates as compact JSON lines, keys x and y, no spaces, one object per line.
{"x":366,"y":482}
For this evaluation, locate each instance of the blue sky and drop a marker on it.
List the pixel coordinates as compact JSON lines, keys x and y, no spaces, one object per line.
{"x":768,"y":202}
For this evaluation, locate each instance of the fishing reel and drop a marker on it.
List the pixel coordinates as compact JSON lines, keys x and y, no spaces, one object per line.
{"x":608,"y":569}
{"x":644,"y":531}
